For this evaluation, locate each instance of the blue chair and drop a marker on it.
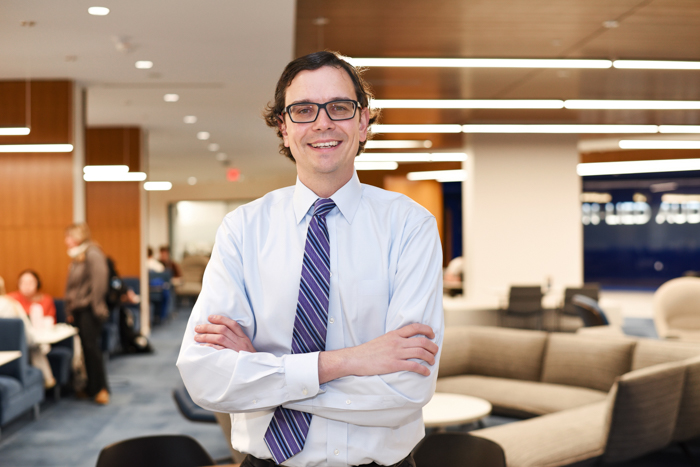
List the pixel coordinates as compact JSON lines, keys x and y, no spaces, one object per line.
{"x":21,"y":385}
{"x":61,"y":354}
{"x":160,"y":298}
{"x":134,"y":283}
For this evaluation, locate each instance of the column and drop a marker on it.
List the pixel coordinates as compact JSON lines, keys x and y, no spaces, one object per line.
{"x":522,"y":214}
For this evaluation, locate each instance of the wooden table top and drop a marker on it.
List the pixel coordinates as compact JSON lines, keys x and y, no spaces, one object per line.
{"x":454,"y":409}
{"x":54,"y":334}
{"x":6,"y":356}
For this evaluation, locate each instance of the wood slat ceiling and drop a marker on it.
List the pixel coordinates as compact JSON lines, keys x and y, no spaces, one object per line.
{"x":647,"y":29}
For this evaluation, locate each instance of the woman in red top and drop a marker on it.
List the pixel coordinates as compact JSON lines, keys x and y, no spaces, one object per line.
{"x":30,"y":296}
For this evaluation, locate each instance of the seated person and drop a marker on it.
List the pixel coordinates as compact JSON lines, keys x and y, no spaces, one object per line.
{"x":10,"y":308}
{"x":168,"y":262}
{"x":152,"y":263}
{"x":31,"y":298}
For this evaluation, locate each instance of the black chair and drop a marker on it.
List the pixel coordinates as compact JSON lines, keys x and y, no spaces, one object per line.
{"x":189,"y":409}
{"x":590,"y":312}
{"x":457,"y":449}
{"x":524,"y":302}
{"x":148,"y":451}
{"x":567,"y":308}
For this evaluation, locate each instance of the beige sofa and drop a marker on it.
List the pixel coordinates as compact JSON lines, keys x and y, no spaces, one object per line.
{"x":586,"y":396}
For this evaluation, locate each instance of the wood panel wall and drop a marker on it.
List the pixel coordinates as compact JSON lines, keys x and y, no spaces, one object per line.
{"x":36,"y":190}
{"x":113,"y":209}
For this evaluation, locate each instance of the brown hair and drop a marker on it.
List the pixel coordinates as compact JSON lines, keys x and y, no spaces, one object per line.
{"x":273,"y":110}
{"x":80,"y":232}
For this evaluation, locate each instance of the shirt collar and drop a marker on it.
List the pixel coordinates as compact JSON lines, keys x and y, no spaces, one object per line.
{"x":346,"y":198}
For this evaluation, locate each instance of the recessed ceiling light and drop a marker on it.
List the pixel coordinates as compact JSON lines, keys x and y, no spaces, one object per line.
{"x":221,"y":156}
{"x":192,"y":181}
{"x":190,"y":119}
{"x":98,"y":11}
{"x":213,"y":147}
{"x":171,"y":98}
{"x":203,"y":135}
{"x":144,"y":64}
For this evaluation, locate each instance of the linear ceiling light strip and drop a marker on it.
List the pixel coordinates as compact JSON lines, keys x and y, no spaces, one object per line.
{"x":633,"y":167}
{"x":524,"y":63}
{"x":575,"y":104}
{"x":14,"y":131}
{"x":36,"y":147}
{"x":480,"y":62}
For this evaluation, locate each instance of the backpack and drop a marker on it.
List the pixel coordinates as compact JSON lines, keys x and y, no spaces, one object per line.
{"x":115,"y":286}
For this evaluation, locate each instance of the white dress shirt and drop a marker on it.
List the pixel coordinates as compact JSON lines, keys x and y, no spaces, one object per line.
{"x":386,"y":272}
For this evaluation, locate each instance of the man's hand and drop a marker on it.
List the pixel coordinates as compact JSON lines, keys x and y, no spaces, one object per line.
{"x":223,"y":333}
{"x":389,"y":353}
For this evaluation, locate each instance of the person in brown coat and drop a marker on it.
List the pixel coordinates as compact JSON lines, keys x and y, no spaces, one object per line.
{"x":85,"y":304}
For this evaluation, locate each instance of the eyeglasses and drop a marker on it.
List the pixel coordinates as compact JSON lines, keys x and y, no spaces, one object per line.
{"x":307,"y":112}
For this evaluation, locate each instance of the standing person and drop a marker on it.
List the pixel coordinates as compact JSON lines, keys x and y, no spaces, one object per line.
{"x":85,"y":304}
{"x":320,"y":318}
{"x":29,"y":295}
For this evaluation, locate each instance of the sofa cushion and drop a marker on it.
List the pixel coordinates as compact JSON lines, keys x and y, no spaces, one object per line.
{"x":551,"y":440}
{"x":491,"y":351}
{"x":650,"y":352}
{"x":643,"y":411}
{"x":586,"y":361}
{"x":688,"y":423}
{"x":522,"y":399}
{"x":9,"y":387}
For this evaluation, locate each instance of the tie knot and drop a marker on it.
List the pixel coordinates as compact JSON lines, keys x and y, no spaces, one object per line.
{"x":323,"y":206}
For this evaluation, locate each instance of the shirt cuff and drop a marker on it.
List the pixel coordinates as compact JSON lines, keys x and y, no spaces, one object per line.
{"x":301,"y":375}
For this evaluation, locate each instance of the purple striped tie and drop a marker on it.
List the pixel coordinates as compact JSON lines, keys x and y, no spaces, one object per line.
{"x":287,"y":431}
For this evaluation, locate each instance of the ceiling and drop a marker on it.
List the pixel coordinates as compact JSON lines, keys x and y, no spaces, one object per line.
{"x":223,"y":57}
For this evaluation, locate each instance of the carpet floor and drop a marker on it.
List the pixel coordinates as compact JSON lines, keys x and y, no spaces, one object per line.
{"x":71,"y":433}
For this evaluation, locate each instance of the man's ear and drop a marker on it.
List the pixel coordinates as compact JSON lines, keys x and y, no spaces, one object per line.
{"x":283,"y":130}
{"x":364,"y":123}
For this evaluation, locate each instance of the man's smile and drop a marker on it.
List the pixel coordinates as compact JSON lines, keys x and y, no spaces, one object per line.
{"x":325,"y":144}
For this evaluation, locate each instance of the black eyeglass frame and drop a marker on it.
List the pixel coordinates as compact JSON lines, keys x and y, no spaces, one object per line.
{"x":356,"y":106}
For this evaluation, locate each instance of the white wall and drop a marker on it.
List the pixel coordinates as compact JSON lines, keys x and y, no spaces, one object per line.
{"x":158,"y":201}
{"x":522,"y":214}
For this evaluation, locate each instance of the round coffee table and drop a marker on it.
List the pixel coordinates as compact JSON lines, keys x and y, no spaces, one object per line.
{"x":446,"y":409}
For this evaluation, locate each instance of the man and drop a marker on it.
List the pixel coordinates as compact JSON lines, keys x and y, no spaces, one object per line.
{"x":320,"y":317}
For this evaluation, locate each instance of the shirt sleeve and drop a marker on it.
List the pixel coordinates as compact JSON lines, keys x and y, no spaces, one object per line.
{"x":394,"y":399}
{"x":230,"y":381}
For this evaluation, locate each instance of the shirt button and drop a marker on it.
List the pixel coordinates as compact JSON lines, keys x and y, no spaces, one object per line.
{"x":348,"y":402}
{"x":331,"y":320}
{"x":304,"y":391}
{"x":336,"y":452}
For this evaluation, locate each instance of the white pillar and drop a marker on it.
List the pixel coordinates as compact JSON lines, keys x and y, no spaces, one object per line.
{"x":521,"y":214}
{"x":78,"y":152}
